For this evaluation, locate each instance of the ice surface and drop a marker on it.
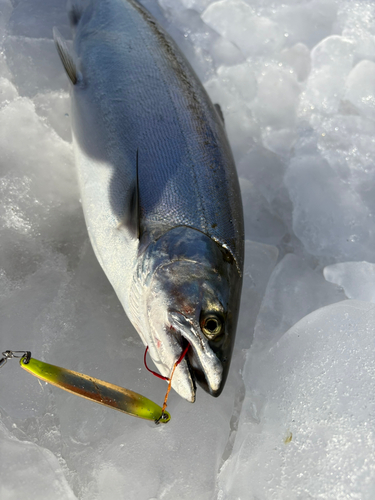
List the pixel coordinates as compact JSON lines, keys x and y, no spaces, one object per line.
{"x":356,"y":278}
{"x":294,"y":290}
{"x":295,"y":81}
{"x":238,"y":21}
{"x":306,"y":426}
{"x":35,"y":470}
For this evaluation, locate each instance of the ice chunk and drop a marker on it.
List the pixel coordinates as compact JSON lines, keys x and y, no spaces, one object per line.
{"x":8,"y":91}
{"x":35,"y":65}
{"x":36,"y":18}
{"x":356,"y":21}
{"x":239,"y":23}
{"x":260,"y":261}
{"x":356,"y":278}
{"x":187,"y":471}
{"x":264,"y":169}
{"x":181,"y":5}
{"x":293,"y":291}
{"x":279,"y":141}
{"x":230,"y":87}
{"x":328,"y":214}
{"x":361,"y":88}
{"x":331,"y":62}
{"x":30,"y":471}
{"x":225,"y":52}
{"x":198,"y":5}
{"x":277,"y":98}
{"x":55,"y":107}
{"x":308,"y":22}
{"x":40,"y":151}
{"x":305,"y":428}
{"x":298,"y":58}
{"x":260,"y":223}
{"x":239,"y":80}
{"x":5,"y":12}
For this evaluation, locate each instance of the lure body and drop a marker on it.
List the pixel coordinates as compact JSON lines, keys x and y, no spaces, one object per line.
{"x":159,"y":188}
{"x":96,"y":390}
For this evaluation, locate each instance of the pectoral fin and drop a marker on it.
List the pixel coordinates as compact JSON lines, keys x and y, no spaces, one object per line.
{"x":131,"y":219}
{"x":134,"y":208}
{"x":66,"y":56}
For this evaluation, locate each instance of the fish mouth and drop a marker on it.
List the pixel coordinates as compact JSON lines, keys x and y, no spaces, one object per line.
{"x":203,"y":365}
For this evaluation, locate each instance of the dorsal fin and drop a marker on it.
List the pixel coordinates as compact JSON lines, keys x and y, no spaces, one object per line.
{"x":219,"y":111}
{"x":66,"y":57}
{"x":75,"y":11}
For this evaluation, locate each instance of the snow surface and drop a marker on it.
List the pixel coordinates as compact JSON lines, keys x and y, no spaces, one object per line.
{"x":295,"y":80}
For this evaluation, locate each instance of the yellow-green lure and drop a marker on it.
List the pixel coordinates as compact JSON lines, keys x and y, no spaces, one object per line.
{"x":91,"y":388}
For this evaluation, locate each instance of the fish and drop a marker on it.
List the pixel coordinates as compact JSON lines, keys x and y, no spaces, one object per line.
{"x":158,"y":186}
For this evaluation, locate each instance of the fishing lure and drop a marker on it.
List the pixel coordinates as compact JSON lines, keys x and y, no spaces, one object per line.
{"x":91,"y":388}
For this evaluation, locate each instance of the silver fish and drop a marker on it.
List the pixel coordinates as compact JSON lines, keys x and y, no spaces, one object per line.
{"x":159,"y":188}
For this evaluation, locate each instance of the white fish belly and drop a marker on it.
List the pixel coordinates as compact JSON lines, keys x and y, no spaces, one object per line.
{"x":114,"y":247}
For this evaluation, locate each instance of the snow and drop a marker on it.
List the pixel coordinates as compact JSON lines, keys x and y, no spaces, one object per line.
{"x":295,"y":81}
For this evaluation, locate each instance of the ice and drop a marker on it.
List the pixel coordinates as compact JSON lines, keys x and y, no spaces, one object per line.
{"x":306,"y":424}
{"x":237,"y":21}
{"x":36,"y":18}
{"x":331,"y":62}
{"x":262,"y":223}
{"x":306,"y":22}
{"x":7,"y":91}
{"x":294,"y":290}
{"x":356,"y":278}
{"x":55,"y":108}
{"x":260,"y":262}
{"x":295,"y":81}
{"x":277,"y":98}
{"x":35,"y":470}
{"x":361,"y":88}
{"x":298,"y":58}
{"x":322,"y":201}
{"x":33,"y":65}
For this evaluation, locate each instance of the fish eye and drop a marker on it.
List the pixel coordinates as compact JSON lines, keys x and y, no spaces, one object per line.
{"x":212,"y":326}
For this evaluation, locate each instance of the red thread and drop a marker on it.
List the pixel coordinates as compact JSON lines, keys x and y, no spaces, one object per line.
{"x":151,"y":371}
{"x":183,"y":354}
{"x":170,"y":380}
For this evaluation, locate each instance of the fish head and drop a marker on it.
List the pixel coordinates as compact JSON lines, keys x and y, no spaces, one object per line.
{"x":193,"y":298}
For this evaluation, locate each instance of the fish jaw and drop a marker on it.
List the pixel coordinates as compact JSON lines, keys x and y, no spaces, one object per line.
{"x":210,"y":364}
{"x":165,"y":348}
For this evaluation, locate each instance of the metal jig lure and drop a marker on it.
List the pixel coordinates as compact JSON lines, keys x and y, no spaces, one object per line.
{"x":90,"y":388}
